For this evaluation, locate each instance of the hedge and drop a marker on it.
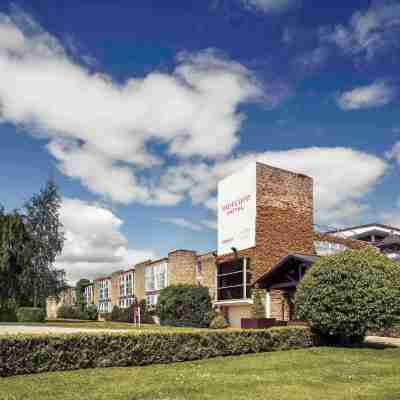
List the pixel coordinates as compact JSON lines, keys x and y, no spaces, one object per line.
{"x":30,"y":314}
{"x":34,"y":354}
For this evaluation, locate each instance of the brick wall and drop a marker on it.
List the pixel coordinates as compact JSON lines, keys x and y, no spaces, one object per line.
{"x":139,"y":279}
{"x":182,"y":266}
{"x":208,"y":273}
{"x":284,"y":220}
{"x":115,"y":288}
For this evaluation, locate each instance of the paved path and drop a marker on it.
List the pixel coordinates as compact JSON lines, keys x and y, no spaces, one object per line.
{"x":383,"y":340}
{"x":14,"y":329}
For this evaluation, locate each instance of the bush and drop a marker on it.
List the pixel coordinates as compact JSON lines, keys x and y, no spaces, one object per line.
{"x":121,"y":314}
{"x":70,"y":312}
{"x":92,"y":312}
{"x":30,"y":314}
{"x":32,"y":354}
{"x":344,"y":295}
{"x":146,"y":314}
{"x":184,"y":305}
{"x":8,"y":315}
{"x":219,"y":322}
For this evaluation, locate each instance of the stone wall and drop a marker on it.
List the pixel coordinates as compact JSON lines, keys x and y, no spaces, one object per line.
{"x":139,"y":280}
{"x":182,"y":266}
{"x":284,"y":220}
{"x":208,"y":274}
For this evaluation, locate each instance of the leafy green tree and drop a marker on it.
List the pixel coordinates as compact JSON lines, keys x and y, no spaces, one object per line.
{"x":46,"y":230}
{"x":15,"y":252}
{"x":79,"y":290}
{"x":345,"y":295}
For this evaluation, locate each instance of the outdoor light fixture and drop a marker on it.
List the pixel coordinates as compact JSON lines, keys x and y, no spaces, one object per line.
{"x":234,"y":249}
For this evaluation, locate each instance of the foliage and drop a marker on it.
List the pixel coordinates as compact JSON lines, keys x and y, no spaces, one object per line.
{"x":30,"y":314}
{"x":344,"y":295}
{"x":184,"y":305}
{"x":15,"y":252}
{"x":46,"y":230}
{"x":31,"y":354}
{"x":79,"y":291}
{"x":71,"y":312}
{"x":121,"y":314}
{"x":257,"y":308}
{"x":146,"y":313}
{"x":8,"y":314}
{"x":219,"y":322}
{"x":92,"y":312}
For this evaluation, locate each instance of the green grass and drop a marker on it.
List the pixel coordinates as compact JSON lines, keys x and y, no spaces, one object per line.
{"x":320,"y":374}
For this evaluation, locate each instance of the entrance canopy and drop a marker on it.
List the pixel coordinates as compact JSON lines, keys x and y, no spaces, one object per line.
{"x":287,"y":272}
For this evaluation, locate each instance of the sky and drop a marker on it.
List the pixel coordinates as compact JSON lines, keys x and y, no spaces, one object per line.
{"x":137,"y":110}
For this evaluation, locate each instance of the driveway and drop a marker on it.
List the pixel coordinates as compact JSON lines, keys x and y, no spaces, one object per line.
{"x":379,"y":340}
{"x":15,"y":329}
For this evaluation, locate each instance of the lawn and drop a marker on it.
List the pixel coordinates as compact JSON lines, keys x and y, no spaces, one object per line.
{"x":319,"y":373}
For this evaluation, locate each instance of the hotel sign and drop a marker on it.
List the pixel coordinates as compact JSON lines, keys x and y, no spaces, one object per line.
{"x":237,"y":211}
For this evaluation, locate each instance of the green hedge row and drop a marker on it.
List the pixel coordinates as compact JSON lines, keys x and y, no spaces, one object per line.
{"x":31,"y":314}
{"x":33,"y":354}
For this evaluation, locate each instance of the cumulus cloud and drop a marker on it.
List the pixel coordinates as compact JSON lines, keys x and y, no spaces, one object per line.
{"x":95,"y":124}
{"x":368,"y":32}
{"x":94,"y":243}
{"x":270,"y":6}
{"x":342,"y":177}
{"x":377,"y":94}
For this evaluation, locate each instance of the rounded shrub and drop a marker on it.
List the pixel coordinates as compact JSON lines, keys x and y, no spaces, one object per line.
{"x":92,"y":312}
{"x":30,"y":314}
{"x":184,"y":305}
{"x":219,"y":322}
{"x":70,"y":312}
{"x":344,"y":295}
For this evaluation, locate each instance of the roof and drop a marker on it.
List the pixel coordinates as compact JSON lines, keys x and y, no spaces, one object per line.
{"x":351,"y":228}
{"x":305,"y":258}
{"x":389,"y":240}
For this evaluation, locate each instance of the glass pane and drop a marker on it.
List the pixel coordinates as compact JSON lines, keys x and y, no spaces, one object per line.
{"x":231,"y":266}
{"x":235,"y":293}
{"x":230,"y":280}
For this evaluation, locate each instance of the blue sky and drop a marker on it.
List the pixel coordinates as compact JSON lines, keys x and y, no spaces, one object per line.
{"x":138,"y":108}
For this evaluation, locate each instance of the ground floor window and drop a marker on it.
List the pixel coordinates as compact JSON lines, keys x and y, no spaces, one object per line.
{"x":234,"y":279}
{"x":151,"y":300}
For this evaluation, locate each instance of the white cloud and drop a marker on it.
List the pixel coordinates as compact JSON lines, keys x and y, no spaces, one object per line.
{"x":194,"y":226}
{"x":342,"y":177}
{"x":368,"y":32}
{"x":101,"y":130}
{"x":270,"y":6}
{"x":94,"y":243}
{"x":377,"y":94}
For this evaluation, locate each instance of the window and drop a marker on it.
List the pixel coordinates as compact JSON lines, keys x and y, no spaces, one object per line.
{"x":151,"y":300}
{"x":233,"y":280}
{"x":155,"y":277}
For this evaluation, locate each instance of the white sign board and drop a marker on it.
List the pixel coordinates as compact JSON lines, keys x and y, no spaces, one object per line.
{"x":237,"y":211}
{"x":328,"y":248}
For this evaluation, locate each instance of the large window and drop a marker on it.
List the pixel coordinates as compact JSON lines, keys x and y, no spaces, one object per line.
{"x":233,"y":280}
{"x":155,"y":277}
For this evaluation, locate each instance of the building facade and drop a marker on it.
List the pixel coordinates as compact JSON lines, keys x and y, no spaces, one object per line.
{"x":266,"y":241}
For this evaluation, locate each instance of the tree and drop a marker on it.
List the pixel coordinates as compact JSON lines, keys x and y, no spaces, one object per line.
{"x":79,"y":290}
{"x":15,"y":252}
{"x":44,"y":226}
{"x":345,"y":295}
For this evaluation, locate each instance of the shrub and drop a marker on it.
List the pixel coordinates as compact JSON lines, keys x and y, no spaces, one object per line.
{"x":121,"y":314}
{"x":8,"y":315}
{"x":30,"y":314}
{"x":92,"y":312}
{"x":32,"y":354}
{"x":184,"y":305}
{"x":146,"y":314}
{"x":344,"y":295}
{"x":70,"y":312}
{"x":219,"y":322}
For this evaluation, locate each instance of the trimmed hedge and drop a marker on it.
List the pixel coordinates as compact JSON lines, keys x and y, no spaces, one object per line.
{"x":34,"y":354}
{"x":30,"y":314}
{"x":8,"y":315}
